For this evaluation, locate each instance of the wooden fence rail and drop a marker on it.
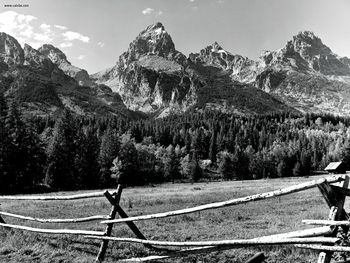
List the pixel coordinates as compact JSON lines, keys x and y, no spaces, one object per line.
{"x":56,"y":220}
{"x":54,"y":231}
{"x":334,"y":190}
{"x":242,"y":200}
{"x":53,"y":197}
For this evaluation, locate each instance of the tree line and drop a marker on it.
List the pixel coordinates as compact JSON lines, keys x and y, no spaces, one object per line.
{"x":74,"y":152}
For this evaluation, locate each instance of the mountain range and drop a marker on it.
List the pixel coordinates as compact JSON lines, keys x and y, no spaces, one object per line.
{"x":153,"y":78}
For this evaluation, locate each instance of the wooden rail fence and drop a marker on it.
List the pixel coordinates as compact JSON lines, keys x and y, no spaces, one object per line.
{"x":324,"y":238}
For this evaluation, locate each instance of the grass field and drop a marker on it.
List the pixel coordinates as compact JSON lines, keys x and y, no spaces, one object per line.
{"x":281,"y":214}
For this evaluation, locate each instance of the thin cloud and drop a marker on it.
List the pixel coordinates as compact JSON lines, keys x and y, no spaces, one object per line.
{"x":66,"y":44}
{"x":148,"y":11}
{"x":192,"y":1}
{"x":101,"y":44}
{"x":61,"y":27}
{"x":45,"y":27}
{"x":160,"y":12}
{"x":70,"y":36}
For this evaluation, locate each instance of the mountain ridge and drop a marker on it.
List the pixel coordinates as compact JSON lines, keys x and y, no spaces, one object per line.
{"x":152,"y":77}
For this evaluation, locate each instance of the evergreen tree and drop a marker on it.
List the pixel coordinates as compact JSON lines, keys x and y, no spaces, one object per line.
{"x":226,"y":166}
{"x":25,"y":153}
{"x":109,"y":150}
{"x":6,"y":147}
{"x":60,"y":173}
{"x":196,"y":170}
{"x":171,"y":165}
{"x":128,"y":171}
{"x":213,"y":146}
{"x":345,"y":155}
{"x":86,"y":159}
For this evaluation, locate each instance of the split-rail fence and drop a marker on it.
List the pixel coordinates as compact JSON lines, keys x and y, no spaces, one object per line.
{"x":323,"y":238}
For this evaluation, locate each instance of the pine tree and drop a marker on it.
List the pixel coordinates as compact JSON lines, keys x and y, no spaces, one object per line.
{"x":171,"y":165}
{"x":226,"y":166}
{"x":6,"y":147}
{"x":196,"y":170}
{"x":109,"y":150}
{"x":86,"y":160}
{"x":345,"y":155}
{"x":128,"y":172}
{"x":213,"y":146}
{"x":60,"y":173}
{"x":25,"y":152}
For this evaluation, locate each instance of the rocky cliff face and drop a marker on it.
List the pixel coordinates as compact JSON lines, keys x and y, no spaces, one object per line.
{"x":11,"y":52}
{"x":42,"y":88}
{"x":150,"y":75}
{"x":153,"y":77}
{"x":60,"y":59}
{"x":241,"y":68}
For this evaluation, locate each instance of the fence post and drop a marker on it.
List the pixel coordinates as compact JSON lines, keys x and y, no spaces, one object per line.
{"x":258,"y":258}
{"x":115,"y":203}
{"x":335,"y":199}
{"x":133,"y":227}
{"x":1,"y":219}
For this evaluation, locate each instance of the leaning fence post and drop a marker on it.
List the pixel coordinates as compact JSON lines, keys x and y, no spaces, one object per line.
{"x":115,"y":203}
{"x":258,"y":258}
{"x":133,"y":227}
{"x":335,"y":199}
{"x":1,"y":219}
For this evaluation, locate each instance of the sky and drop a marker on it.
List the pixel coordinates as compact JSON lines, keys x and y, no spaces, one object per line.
{"x":93,"y":33}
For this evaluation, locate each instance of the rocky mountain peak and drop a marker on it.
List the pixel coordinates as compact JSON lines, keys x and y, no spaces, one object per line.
{"x":11,"y":51}
{"x":59,"y":58}
{"x":53,"y":53}
{"x":154,"y":40}
{"x":308,"y":45}
{"x":306,"y":53}
{"x":37,"y":61}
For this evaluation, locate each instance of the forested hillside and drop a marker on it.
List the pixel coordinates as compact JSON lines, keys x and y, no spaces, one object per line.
{"x":75,"y":152}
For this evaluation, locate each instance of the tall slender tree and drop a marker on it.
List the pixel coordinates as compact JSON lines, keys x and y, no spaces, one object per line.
{"x":60,"y":173}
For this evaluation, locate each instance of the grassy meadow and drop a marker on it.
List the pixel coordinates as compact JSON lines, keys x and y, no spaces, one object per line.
{"x":281,"y":214}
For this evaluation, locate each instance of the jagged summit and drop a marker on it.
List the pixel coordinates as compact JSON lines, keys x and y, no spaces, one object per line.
{"x":154,"y":40}
{"x":55,"y":54}
{"x":308,"y":45}
{"x":216,"y":47}
{"x":158,"y":26}
{"x":60,"y":59}
{"x":306,"y":53}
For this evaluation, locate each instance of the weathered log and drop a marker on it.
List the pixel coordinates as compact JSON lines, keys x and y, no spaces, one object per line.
{"x":320,"y":231}
{"x":179,"y":253}
{"x":324,"y":248}
{"x":310,"y":232}
{"x":56,"y":220}
{"x":256,"y":197}
{"x":52,"y":197}
{"x":238,"y":242}
{"x":55,"y":231}
{"x":326,"y":222}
